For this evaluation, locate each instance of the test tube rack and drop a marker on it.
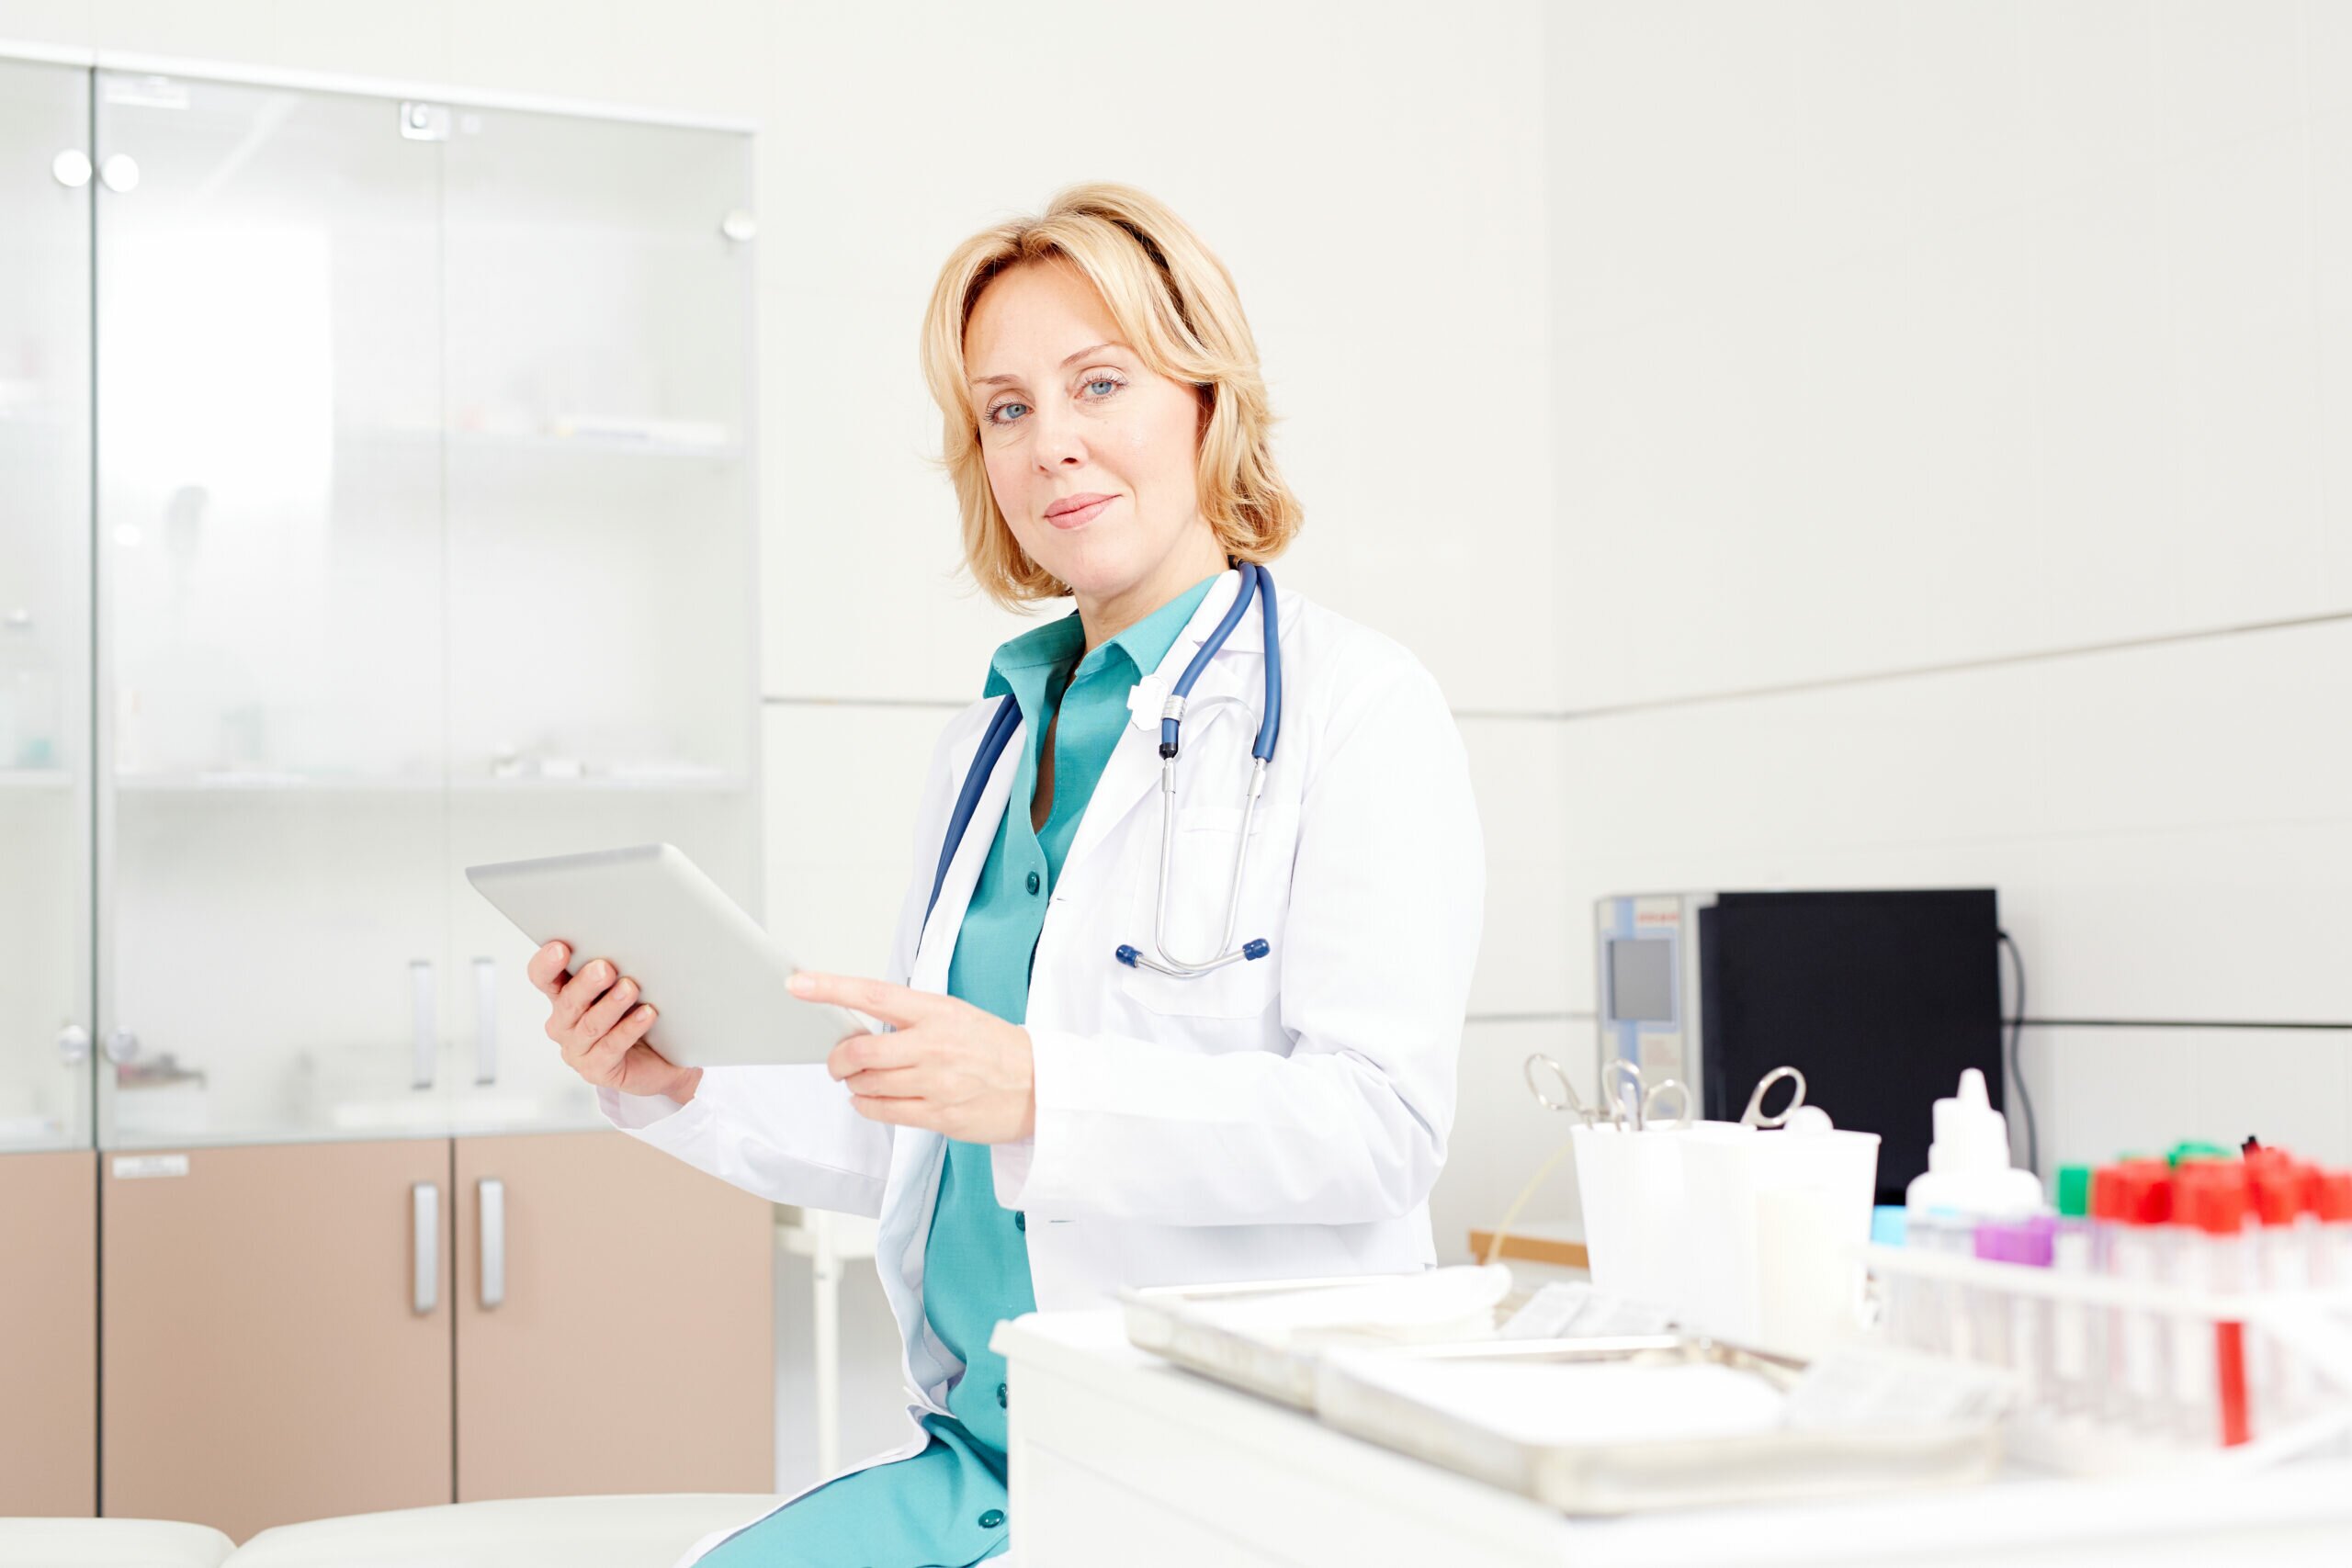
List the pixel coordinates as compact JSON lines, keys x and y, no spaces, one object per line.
{"x":2300,"y":1336}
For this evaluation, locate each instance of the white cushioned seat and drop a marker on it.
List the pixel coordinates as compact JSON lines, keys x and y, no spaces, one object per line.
{"x":113,"y":1544}
{"x":648,"y":1531}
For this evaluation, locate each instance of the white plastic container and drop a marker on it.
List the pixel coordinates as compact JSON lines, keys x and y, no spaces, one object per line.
{"x":1630,"y":1185}
{"x":1746,"y":1234}
{"x":1774,"y":1219}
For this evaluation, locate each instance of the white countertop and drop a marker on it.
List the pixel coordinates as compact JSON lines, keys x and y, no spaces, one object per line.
{"x":1118,"y":1456}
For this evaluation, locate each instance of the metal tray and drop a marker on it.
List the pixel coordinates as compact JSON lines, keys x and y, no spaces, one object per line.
{"x":1160,"y":1319}
{"x":1630,"y":1477}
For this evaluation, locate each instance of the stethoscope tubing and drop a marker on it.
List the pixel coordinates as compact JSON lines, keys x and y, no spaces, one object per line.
{"x":1255,"y":581}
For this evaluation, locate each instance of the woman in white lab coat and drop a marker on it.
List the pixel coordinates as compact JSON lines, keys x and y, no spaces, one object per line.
{"x":1046,"y":1124}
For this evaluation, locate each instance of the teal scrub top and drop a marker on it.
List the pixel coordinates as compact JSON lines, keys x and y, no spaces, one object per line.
{"x":945,"y":1508}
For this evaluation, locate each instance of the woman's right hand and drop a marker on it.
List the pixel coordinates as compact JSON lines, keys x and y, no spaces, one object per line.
{"x":600,"y":1026}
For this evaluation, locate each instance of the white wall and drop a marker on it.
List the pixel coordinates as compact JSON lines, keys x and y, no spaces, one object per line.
{"x":1953,"y":488}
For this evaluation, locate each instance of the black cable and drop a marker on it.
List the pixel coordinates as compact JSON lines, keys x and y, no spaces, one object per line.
{"x":2016,"y":1073}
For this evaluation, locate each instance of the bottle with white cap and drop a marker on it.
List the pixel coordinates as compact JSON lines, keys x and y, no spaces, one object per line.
{"x":1969,"y":1182}
{"x":1968,"y":1165}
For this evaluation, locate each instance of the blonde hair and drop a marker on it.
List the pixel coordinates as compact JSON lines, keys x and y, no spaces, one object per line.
{"x":1176,"y":307}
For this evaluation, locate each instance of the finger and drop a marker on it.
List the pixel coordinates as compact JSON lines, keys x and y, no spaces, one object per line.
{"x":613,"y":1043}
{"x":546,"y":966}
{"x":859,"y":1053}
{"x":897,"y":1113}
{"x":584,"y":988}
{"x":609,"y":1008}
{"x":890,"y":1083}
{"x":900,"y":1005}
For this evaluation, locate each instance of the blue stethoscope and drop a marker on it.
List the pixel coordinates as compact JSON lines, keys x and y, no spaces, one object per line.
{"x":1257,"y":579}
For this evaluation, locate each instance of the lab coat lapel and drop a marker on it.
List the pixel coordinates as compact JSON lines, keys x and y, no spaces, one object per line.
{"x":1232,"y":681}
{"x":937,"y":945}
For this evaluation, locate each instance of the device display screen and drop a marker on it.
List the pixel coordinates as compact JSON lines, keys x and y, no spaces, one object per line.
{"x":1641,"y":980}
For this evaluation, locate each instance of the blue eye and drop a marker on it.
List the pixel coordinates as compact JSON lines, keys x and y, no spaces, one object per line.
{"x":1110,"y":382}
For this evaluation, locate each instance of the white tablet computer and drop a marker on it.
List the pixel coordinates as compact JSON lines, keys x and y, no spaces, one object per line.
{"x":716,"y":978}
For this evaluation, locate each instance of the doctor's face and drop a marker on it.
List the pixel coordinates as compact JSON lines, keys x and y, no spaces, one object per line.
{"x":1068,"y":412}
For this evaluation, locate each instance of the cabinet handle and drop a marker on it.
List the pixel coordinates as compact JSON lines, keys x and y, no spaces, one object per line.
{"x":424,"y":1200}
{"x":493,"y":1240}
{"x":485,"y":1021}
{"x":423,"y":1014}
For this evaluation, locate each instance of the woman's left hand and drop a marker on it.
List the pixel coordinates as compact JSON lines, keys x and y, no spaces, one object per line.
{"x":946,"y":1065}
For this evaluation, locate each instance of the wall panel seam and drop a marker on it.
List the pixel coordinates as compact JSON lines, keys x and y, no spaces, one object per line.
{"x":1954,"y":666}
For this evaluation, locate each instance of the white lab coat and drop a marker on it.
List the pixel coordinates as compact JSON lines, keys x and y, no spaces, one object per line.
{"x":1279,"y":1118}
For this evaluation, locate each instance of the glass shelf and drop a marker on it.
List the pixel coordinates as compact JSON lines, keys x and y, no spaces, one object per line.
{"x":36,"y":779}
{"x":325,"y":783}
{"x":661,"y":439}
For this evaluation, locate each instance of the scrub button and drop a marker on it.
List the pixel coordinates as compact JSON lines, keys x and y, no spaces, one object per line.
{"x":1033,"y":882}
{"x":999,"y":1396}
{"x":992,"y":1518}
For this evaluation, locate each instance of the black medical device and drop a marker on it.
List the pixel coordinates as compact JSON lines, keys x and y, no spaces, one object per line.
{"x":1879,"y":997}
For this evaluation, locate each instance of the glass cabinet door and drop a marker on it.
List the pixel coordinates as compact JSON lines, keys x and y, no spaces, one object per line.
{"x":271,"y":723}
{"x":46,"y":1024}
{"x":602,"y":589}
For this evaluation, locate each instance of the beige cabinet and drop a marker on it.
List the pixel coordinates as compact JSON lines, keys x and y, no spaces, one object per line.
{"x":615,"y":1328}
{"x":299,"y":1330}
{"x":275,"y":1331}
{"x":48,"y":1348}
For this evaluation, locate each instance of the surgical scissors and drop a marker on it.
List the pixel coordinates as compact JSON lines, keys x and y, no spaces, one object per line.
{"x":1754,"y":1115}
{"x":1569,"y":1102}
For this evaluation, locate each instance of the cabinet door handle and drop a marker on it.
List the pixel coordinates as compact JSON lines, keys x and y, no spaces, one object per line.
{"x":485,"y":1021}
{"x":424,"y":1200}
{"x":423,"y":1015}
{"x":493,"y":1240}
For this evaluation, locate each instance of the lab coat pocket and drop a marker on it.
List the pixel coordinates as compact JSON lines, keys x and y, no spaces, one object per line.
{"x":1201,"y":882}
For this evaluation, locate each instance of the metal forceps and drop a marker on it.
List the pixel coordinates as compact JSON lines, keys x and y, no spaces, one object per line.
{"x":1754,"y":1115}
{"x":1634,"y":1099}
{"x":1638,"y":1105}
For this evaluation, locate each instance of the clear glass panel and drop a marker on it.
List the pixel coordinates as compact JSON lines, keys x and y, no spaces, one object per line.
{"x":602,"y":594}
{"x":45,"y":960}
{"x":271,"y":837}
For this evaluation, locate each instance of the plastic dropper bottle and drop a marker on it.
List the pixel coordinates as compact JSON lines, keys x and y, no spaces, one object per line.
{"x":1968,"y":1164}
{"x":1968,"y":1173}
{"x":27,"y":696}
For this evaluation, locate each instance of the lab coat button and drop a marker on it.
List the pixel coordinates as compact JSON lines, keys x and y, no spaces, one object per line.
{"x":999,"y":1396}
{"x":992,"y":1518}
{"x":1021,"y":1221}
{"x":1033,"y":882}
